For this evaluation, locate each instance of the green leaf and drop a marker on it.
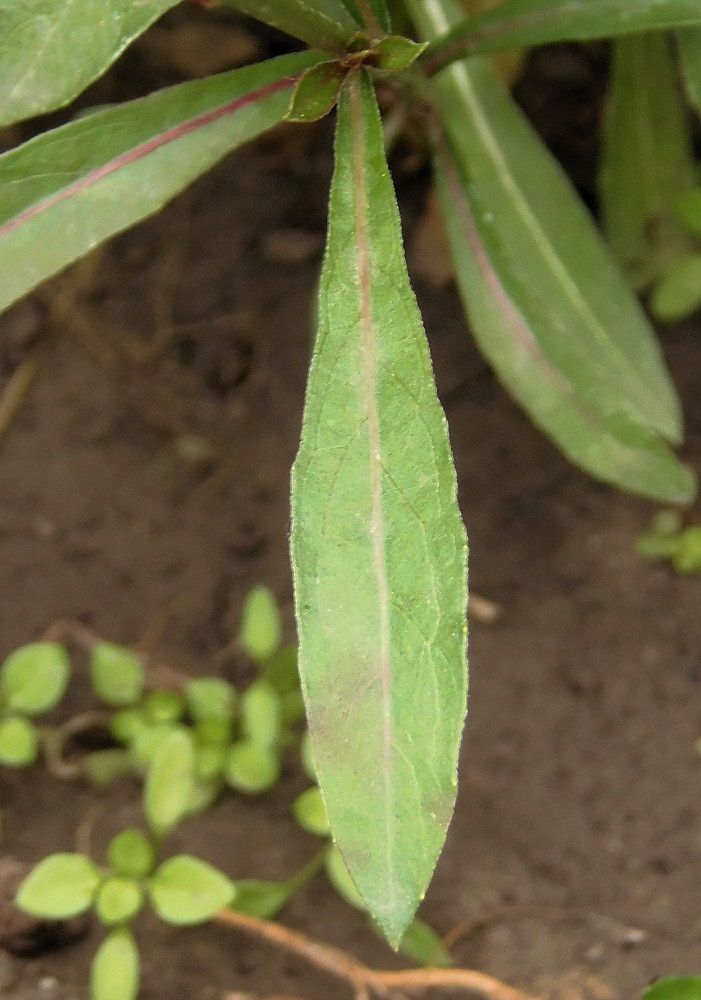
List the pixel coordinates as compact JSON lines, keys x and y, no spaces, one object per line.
{"x":264,"y":900}
{"x":281,"y":670}
{"x":251,"y":768}
{"x":676,"y":988}
{"x":423,"y":945}
{"x":396,"y":54}
{"x":647,"y":157}
{"x":117,"y":674}
{"x":678,"y":293}
{"x":61,"y":886}
{"x":341,"y":879}
{"x":547,"y":306}
{"x":131,"y":854}
{"x":261,"y":628}
{"x":378,"y":547}
{"x":119,"y":901}
{"x":690,"y":50}
{"x":163,"y":707}
{"x":128,"y":723}
{"x":19,"y":742}
{"x":34,"y":678}
{"x":542,"y":238}
{"x":115,"y":970}
{"x":186,"y":891}
{"x":316,"y":93}
{"x":170,"y":782}
{"x":261,"y":713}
{"x":99,"y":175}
{"x":50,"y":50}
{"x":323,"y":23}
{"x":147,"y":740}
{"x":210,"y":698}
{"x":310,"y":812}
{"x":523,"y":23}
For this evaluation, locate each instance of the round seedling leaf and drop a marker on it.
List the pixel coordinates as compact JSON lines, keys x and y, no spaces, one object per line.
{"x":340,"y":879}
{"x":148,"y":741}
{"x":170,"y":782}
{"x":119,"y":901}
{"x":421,"y":944}
{"x":213,"y":732}
{"x":34,"y":678}
{"x":19,"y":742}
{"x":261,"y":714}
{"x":131,"y":854}
{"x":127,"y":724}
{"x":164,"y":706}
{"x":61,"y":886}
{"x":211,"y":698}
{"x":186,"y":891}
{"x":252,"y":768}
{"x":115,"y":968}
{"x":281,"y":670}
{"x":675,"y":988}
{"x":292,"y":707}
{"x":261,"y":629}
{"x":117,"y":674}
{"x":310,"y":812}
{"x":264,"y":900}
{"x":210,"y":762}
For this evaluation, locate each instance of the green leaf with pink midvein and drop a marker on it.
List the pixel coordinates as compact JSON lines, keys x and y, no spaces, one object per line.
{"x":68,"y":190}
{"x":378,"y":546}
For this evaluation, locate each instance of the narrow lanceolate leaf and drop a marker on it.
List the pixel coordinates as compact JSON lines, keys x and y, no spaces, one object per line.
{"x":90,"y":179}
{"x":690,"y":48}
{"x":647,"y":158}
{"x":378,"y":547}
{"x":324,"y":23}
{"x":546,"y":247}
{"x":618,"y":452}
{"x":50,"y":50}
{"x":521,"y":23}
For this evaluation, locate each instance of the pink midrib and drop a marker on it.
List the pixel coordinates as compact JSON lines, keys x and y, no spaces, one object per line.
{"x":369,"y":353}
{"x":144,"y":149}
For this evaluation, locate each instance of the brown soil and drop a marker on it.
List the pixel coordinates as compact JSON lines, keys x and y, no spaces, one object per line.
{"x":145,"y":496}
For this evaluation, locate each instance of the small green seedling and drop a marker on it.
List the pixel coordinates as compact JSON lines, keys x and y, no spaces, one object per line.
{"x":32,"y":682}
{"x":667,"y":539}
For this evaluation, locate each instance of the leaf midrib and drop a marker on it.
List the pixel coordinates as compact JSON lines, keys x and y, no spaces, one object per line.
{"x":377,"y":535}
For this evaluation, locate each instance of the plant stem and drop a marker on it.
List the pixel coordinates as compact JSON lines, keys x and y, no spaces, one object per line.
{"x":360,"y":976}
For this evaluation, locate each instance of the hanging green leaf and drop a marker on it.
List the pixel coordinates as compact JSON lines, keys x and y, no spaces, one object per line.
{"x":115,"y":970}
{"x":647,"y":156}
{"x":102,"y":173}
{"x":33,"y":679}
{"x":546,"y":304}
{"x":170,"y":782}
{"x":378,"y":547}
{"x":690,"y":48}
{"x":675,"y":988}
{"x":211,"y":699}
{"x":50,"y":50}
{"x":116,"y":673}
{"x":61,"y":886}
{"x":186,"y":891}
{"x":326,"y":24}
{"x":251,"y":768}
{"x":523,"y":23}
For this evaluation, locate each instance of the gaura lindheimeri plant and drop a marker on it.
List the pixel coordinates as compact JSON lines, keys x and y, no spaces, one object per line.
{"x":378,"y":546}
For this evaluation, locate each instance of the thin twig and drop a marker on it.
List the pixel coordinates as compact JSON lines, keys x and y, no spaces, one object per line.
{"x":361,"y":977}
